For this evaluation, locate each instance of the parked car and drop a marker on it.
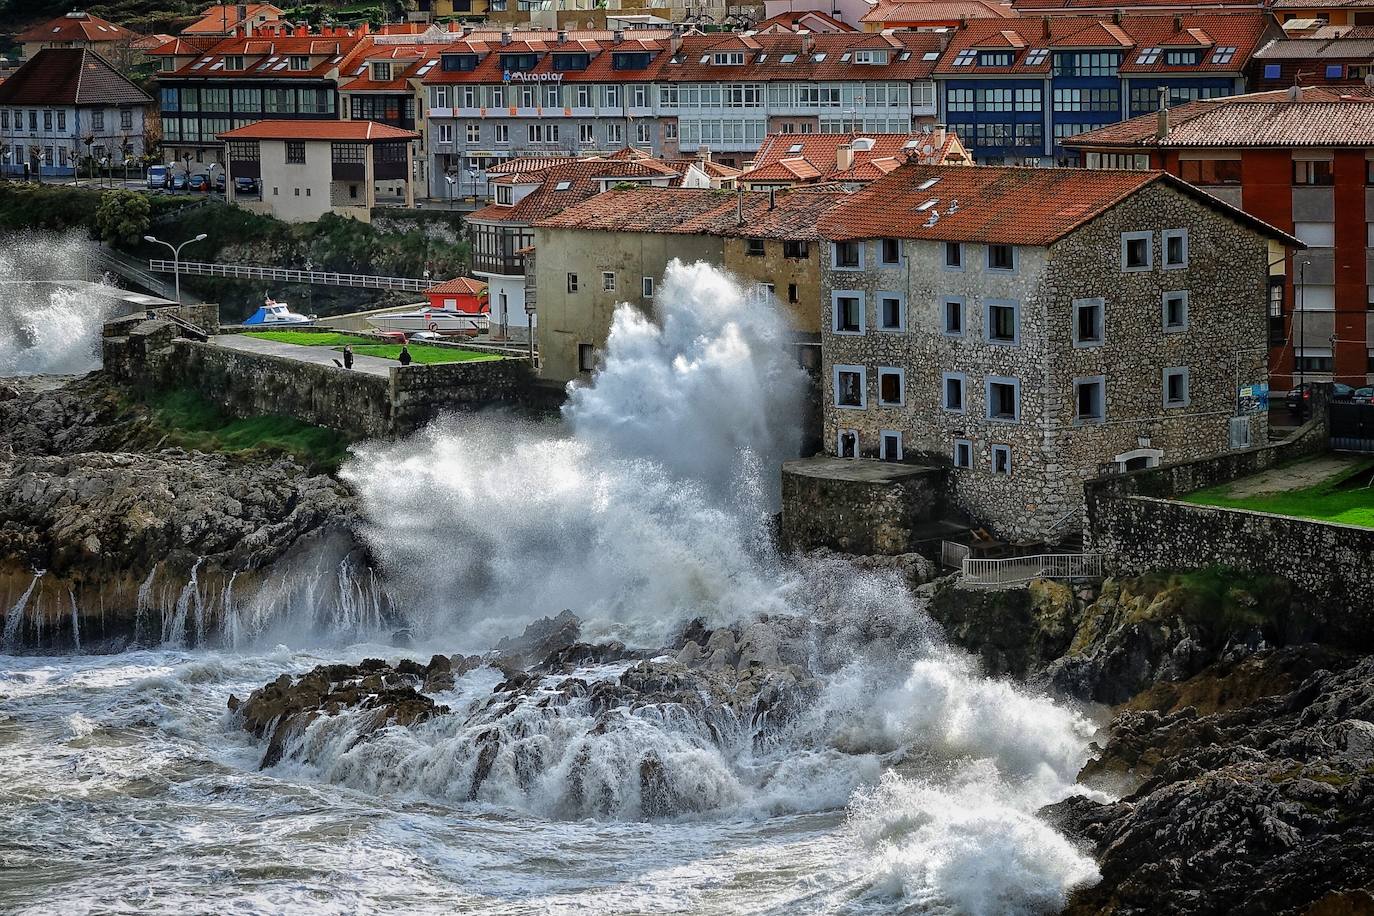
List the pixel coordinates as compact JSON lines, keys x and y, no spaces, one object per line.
{"x":427,"y":335}
{"x":157,"y":176}
{"x":219,"y":182}
{"x":1303,"y":392}
{"x":179,"y":182}
{"x":395,"y":337}
{"x":1363,"y":396}
{"x":200,"y":183}
{"x":245,"y":185}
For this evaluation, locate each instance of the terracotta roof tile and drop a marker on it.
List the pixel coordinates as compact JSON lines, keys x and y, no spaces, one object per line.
{"x":343,"y":131}
{"x":222,"y":19}
{"x":689,"y":211}
{"x":935,"y":11}
{"x":70,"y":76}
{"x":790,"y":157}
{"x":75,"y":27}
{"x":795,"y":20}
{"x":560,"y":186}
{"x":460,"y":285}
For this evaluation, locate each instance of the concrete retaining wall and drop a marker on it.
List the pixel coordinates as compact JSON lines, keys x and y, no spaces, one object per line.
{"x":857,"y":506}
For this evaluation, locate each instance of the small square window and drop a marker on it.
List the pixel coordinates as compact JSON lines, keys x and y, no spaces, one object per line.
{"x":1136,"y":251}
{"x":586,"y":357}
{"x":892,"y":251}
{"x":295,"y":153}
{"x":1001,"y":257}
{"x":849,"y":387}
{"x":891,"y":383}
{"x":608,"y":281}
{"x":963,"y":453}
{"x":572,"y":283}
{"x":1175,"y":249}
{"x":847,"y":443}
{"x":1000,"y":322}
{"x":1176,"y":387}
{"x":1176,"y":311}
{"x":953,"y":385}
{"x":1004,"y":399}
{"x":954,"y":256}
{"x":648,"y":287}
{"x":754,"y":248}
{"x":798,"y":250}
{"x":1087,"y":322}
{"x":848,"y":309}
{"x":848,"y":256}
{"x":890,"y":446}
{"x":1271,"y":71}
{"x":1335,"y":71}
{"x":1001,"y":460}
{"x":891,"y":312}
{"x":952,"y":317}
{"x":1089,"y":400}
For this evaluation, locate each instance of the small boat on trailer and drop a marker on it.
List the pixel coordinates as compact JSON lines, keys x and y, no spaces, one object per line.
{"x":274,"y":314}
{"x":440,"y":321}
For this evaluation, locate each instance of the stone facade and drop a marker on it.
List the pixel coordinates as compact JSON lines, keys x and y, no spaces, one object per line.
{"x":1049,"y":449}
{"x":858,"y":507}
{"x":796,"y":280}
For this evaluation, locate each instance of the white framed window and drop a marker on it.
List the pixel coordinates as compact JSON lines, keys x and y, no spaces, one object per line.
{"x":952,"y":319}
{"x":850,"y":387}
{"x":847,"y":443}
{"x":1002,"y":322}
{"x":890,"y":445}
{"x":891,"y":311}
{"x":891,"y":386}
{"x":473,"y":133}
{"x":1175,"y":249}
{"x":847,"y":310}
{"x":615,"y":132}
{"x":962,"y":455}
{"x":1137,"y":251}
{"x":445,"y":133}
{"x":1088,"y":322}
{"x":1003,"y":398}
{"x":1175,"y":311}
{"x":954,"y":392}
{"x":647,"y":287}
{"x":953,"y":256}
{"x":1001,"y":460}
{"x":1002,"y":258}
{"x":586,"y":133}
{"x":1316,"y":235}
{"x":505,"y":194}
{"x":1176,"y":387}
{"x":1089,"y":400}
{"x":572,"y":283}
{"x":847,"y":255}
{"x":608,"y":281}
{"x":501,"y":133}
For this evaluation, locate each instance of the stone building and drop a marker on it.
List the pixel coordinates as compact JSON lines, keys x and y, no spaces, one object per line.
{"x":614,"y":248}
{"x":1034,"y":328}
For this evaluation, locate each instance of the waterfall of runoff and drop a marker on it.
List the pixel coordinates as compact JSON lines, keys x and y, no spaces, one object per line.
{"x":907,"y":782}
{"x":46,"y":330}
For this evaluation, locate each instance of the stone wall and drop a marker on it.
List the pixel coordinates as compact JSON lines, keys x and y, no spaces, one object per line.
{"x":421,"y":393}
{"x":859,"y":507}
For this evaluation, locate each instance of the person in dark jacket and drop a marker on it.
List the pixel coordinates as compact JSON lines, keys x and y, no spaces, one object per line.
{"x":405,"y":355}
{"x":348,"y":357}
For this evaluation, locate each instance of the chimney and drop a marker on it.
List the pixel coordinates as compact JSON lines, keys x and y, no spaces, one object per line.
{"x":562,"y":36}
{"x":1045,"y":26}
{"x":772,"y":198}
{"x":807,"y":44}
{"x":242,"y":10}
{"x":618,"y":36}
{"x":1116,"y":16}
{"x":704,"y":153}
{"x":505,"y":37}
{"x":1162,"y":125}
{"x":844,"y":158}
{"x":302,"y":31}
{"x":1178,"y":23}
{"x":739,"y":207}
{"x":939,"y":136}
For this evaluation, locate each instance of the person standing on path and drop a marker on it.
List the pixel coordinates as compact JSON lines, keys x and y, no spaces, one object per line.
{"x":405,"y":355}
{"x":348,"y":357}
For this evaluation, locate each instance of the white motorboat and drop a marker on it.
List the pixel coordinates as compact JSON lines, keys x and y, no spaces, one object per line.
{"x":274,"y":314}
{"x":441,"y":321}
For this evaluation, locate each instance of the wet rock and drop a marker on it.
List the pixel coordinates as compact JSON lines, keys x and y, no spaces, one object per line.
{"x":540,"y":639}
{"x":581,"y":654}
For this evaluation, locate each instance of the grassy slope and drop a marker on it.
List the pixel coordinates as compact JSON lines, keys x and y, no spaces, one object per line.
{"x":312,"y":338}
{"x":423,"y":354}
{"x":1335,"y":500}
{"x":192,"y":422}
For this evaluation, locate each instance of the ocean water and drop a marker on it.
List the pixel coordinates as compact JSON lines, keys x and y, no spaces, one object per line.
{"x":908,"y":783}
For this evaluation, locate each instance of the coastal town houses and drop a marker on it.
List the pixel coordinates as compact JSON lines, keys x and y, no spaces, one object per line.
{"x":66,"y":105}
{"x":1030,"y":328}
{"x":301,"y":170}
{"x":787,"y":160}
{"x":614,"y":248}
{"x":1014,"y":89}
{"x":1302,"y":160}
{"x":227,"y":20}
{"x":80,"y":31}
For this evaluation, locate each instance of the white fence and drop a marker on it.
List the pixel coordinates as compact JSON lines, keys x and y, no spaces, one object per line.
{"x":1010,"y":571}
{"x":953,"y":554}
{"x":285,"y":275}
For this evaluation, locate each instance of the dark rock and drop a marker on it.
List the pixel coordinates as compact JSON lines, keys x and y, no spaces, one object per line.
{"x":581,"y":654}
{"x":540,"y":639}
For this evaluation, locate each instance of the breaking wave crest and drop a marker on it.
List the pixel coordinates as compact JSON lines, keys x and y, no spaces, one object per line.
{"x":47,"y":330}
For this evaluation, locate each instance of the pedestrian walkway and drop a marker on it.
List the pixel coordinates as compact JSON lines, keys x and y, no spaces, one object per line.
{"x":320,"y":356}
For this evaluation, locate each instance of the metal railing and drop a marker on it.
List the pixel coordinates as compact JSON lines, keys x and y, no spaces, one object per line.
{"x":111,"y":262}
{"x":287,"y":275}
{"x":953,"y":554}
{"x":1009,"y":571}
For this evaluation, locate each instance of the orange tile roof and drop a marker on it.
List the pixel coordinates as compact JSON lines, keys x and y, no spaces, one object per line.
{"x":936,"y":11}
{"x":789,"y":215}
{"x":222,"y":19}
{"x":803,"y":157}
{"x":333,"y":54}
{"x":795,"y":20}
{"x":460,"y":285}
{"x":343,"y":131}
{"x":75,"y":27}
{"x":1011,"y":205}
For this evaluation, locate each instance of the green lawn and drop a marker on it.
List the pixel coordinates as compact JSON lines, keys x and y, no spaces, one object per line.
{"x":423,"y":354}
{"x":1344,"y":498}
{"x":312,"y":338}
{"x":192,"y":422}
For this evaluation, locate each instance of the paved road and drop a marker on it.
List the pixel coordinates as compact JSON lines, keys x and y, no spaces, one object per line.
{"x":320,"y":356}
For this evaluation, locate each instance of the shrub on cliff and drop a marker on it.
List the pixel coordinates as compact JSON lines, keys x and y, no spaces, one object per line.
{"x":123,"y":217}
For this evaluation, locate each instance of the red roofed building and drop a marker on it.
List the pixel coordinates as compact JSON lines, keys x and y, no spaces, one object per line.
{"x":813,"y":21}
{"x":461,"y":294}
{"x":786,"y":160}
{"x":1032,"y":328}
{"x":301,"y":170}
{"x":77,"y":30}
{"x":931,"y":14}
{"x":227,"y":20}
{"x":1301,"y":161}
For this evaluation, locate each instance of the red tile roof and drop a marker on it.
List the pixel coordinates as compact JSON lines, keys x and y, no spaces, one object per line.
{"x":70,"y":76}
{"x":334,"y":54}
{"x":560,"y":186}
{"x":798,"y":20}
{"x":343,"y":131}
{"x":689,"y":211}
{"x":935,"y":11}
{"x":460,"y":285}
{"x":1074,"y":7}
{"x":807,"y":157}
{"x":223,"y":19}
{"x":75,"y":27}
{"x":1319,"y":118}
{"x":1241,"y":31}
{"x":1009,"y":205}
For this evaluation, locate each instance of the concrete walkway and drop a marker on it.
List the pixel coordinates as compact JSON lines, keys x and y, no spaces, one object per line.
{"x":320,"y":356}
{"x":1298,"y":476}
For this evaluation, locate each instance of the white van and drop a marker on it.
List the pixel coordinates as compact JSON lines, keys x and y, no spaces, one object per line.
{"x":157,"y":176}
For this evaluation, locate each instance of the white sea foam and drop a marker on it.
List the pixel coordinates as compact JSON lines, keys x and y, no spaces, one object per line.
{"x":43,"y":330}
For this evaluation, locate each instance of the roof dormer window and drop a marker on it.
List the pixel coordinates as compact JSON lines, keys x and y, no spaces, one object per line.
{"x":1223,"y":55}
{"x":630,"y":60}
{"x":1036,"y":57}
{"x":965,"y":58}
{"x":519,"y":61}
{"x":566,"y":62}
{"x":1183,"y":58}
{"x":459,"y":63}
{"x":381,"y":72}
{"x":233,"y":63}
{"x":789,"y":58}
{"x":728,"y":58}
{"x":996,"y":59}
{"x":870,"y":57}
{"x":299,"y":62}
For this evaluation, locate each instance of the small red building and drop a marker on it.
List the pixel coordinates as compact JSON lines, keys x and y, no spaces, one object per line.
{"x":460,"y":294}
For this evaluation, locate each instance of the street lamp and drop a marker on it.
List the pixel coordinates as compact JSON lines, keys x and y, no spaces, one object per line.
{"x":176,"y":257}
{"x":1302,"y":338}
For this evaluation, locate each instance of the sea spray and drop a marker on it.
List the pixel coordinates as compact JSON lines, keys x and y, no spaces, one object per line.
{"x":45,"y":330}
